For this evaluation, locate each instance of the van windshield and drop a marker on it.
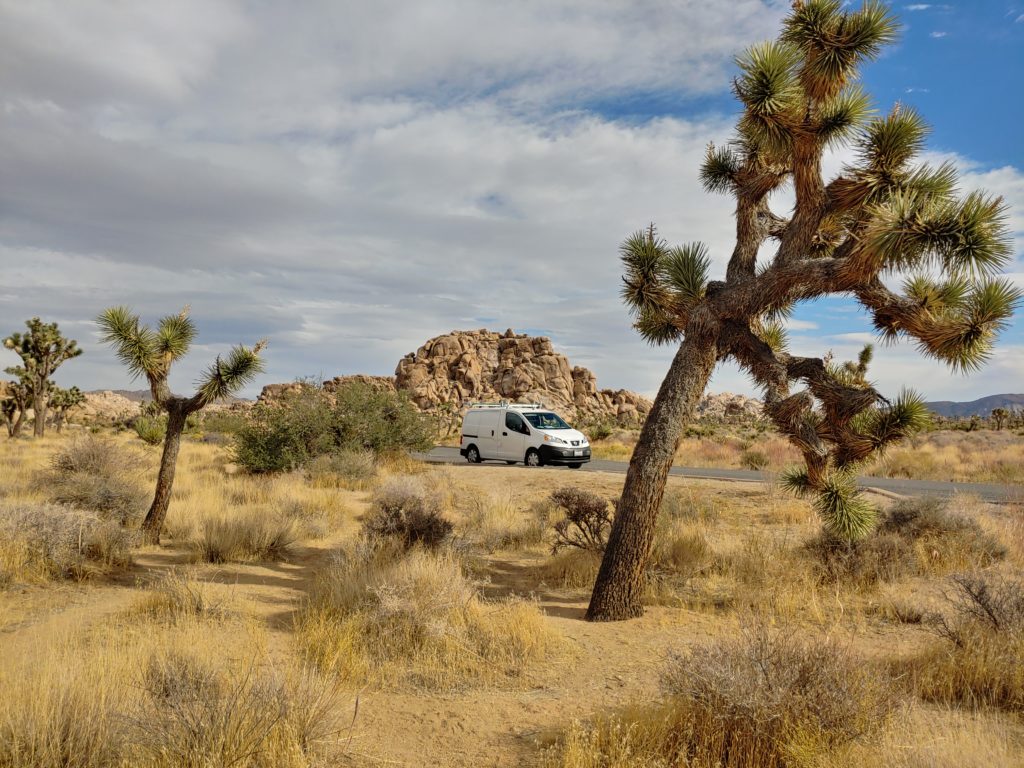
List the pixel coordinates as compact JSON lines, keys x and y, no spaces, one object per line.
{"x":546,"y":420}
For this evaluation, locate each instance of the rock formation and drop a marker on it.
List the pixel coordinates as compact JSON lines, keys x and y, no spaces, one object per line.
{"x":466,"y":366}
{"x":449,"y":371}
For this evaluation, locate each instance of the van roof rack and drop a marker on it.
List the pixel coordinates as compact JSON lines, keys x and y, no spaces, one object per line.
{"x":503,"y":404}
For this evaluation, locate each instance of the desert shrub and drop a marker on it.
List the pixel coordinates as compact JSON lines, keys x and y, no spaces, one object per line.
{"x":355,"y":470}
{"x":193,"y":714}
{"x":765,"y":700}
{"x":307,"y":422}
{"x":151,"y":429}
{"x":754,"y":459}
{"x":286,"y":432}
{"x":98,"y":475}
{"x":587,"y":520}
{"x":978,"y":659}
{"x":39,"y":542}
{"x":251,"y":536}
{"x":914,"y":537}
{"x":381,"y":421}
{"x":405,"y":512}
{"x":416,"y":620}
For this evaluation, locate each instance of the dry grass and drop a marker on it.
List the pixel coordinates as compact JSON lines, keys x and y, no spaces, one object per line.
{"x":982,"y":456}
{"x":258,"y":536}
{"x":44,"y":542}
{"x":156,"y":695}
{"x":98,"y":475}
{"x":415,"y":620}
{"x":978,"y":661}
{"x":763,"y":700}
{"x":915,"y":537}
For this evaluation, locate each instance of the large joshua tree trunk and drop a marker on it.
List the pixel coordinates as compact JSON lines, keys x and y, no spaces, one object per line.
{"x":154,"y":522}
{"x":39,"y":403}
{"x":620,"y":581}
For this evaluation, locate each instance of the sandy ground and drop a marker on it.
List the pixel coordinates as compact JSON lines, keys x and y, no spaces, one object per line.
{"x":606,"y":665}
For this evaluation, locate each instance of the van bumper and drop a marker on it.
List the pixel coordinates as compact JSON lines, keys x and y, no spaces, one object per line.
{"x":549,"y":454}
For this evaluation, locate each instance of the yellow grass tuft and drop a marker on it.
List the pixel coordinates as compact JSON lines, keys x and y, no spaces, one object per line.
{"x":418,"y":621}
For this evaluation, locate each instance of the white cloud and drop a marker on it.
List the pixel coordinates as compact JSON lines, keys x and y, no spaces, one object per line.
{"x":938,"y":35}
{"x":351,"y":180}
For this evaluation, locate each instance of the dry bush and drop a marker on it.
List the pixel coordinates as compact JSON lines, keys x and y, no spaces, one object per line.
{"x":257,"y":536}
{"x":177,"y":596}
{"x":978,"y":661}
{"x":98,"y":475}
{"x":354,"y":470}
{"x":40,"y":542}
{"x":765,"y":700}
{"x":416,"y":620}
{"x":587,"y":520}
{"x":195,"y":715}
{"x":915,"y":537}
{"x":404,"y":511}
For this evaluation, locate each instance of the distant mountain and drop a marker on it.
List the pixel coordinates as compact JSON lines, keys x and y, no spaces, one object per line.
{"x":144,"y":396}
{"x":981,"y":407}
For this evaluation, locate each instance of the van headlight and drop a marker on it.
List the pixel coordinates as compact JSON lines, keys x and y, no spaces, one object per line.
{"x":555,"y":440}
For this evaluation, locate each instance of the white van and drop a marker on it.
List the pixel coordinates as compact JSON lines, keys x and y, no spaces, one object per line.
{"x":525,"y":432}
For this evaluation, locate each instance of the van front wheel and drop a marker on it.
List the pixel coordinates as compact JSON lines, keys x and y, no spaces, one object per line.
{"x":532,"y":458}
{"x":472,"y":455}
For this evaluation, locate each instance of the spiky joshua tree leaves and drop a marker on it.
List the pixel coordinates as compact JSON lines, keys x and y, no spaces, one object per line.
{"x":62,"y":401}
{"x":150,"y":353}
{"x":42,"y":349}
{"x":886,"y":217}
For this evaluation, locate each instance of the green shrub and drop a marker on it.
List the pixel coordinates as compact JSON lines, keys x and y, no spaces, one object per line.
{"x":309,"y":422}
{"x":151,"y":428}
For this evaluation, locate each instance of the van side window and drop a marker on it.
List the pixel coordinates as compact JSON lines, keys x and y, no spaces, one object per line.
{"x":515,"y":422}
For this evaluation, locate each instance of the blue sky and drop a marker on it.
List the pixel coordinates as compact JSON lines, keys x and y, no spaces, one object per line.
{"x":353,"y":179}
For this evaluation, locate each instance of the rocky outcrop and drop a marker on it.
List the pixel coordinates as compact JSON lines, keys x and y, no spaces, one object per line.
{"x":105,"y":407}
{"x":466,"y":366}
{"x":450,"y":371}
{"x":729,"y":407}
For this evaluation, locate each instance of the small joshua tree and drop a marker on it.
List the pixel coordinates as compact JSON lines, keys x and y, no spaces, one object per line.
{"x":13,"y":403}
{"x":42,"y":349}
{"x":999,"y":416}
{"x":62,"y":401}
{"x":885,"y":215}
{"x":150,"y":353}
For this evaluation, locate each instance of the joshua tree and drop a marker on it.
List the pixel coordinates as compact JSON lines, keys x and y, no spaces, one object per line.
{"x":999,"y":416}
{"x":885,"y":215}
{"x":63,"y":400}
{"x":42,"y":349}
{"x":14,"y":399}
{"x":150,"y":353}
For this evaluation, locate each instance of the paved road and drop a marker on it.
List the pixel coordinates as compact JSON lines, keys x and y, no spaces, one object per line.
{"x":986,"y":491}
